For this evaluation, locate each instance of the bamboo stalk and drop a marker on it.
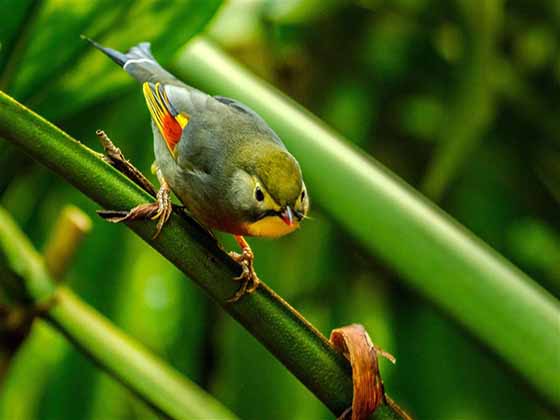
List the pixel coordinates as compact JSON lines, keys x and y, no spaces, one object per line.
{"x":279,"y":327}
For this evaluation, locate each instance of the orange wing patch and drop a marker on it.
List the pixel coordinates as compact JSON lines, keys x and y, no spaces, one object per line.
{"x":169,"y":122}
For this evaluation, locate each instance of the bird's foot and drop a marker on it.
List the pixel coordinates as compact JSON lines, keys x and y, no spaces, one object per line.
{"x":159,"y":210}
{"x":248,"y":277}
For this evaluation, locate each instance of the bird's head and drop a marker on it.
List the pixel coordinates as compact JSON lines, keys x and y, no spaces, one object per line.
{"x":270,"y":190}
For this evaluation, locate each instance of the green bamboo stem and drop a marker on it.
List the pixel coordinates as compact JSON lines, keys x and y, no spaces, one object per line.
{"x":158,"y":385}
{"x":296,"y":343}
{"x":436,"y":256}
{"x":152,"y":380}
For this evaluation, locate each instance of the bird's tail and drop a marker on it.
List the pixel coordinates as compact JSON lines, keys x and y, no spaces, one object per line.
{"x":138,"y":62}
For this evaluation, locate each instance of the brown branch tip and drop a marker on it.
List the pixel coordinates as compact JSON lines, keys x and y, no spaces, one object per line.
{"x":354,"y":343}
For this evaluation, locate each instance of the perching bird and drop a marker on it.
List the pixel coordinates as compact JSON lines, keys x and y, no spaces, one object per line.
{"x":226,"y":165}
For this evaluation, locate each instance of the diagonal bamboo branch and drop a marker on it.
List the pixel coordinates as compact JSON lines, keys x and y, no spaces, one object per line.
{"x":285,"y":333}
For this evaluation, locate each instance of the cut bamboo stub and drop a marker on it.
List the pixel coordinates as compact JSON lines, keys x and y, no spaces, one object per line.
{"x":71,"y":227}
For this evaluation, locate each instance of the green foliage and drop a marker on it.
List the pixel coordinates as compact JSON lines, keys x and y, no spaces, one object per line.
{"x":57,"y":81}
{"x":461,"y":91}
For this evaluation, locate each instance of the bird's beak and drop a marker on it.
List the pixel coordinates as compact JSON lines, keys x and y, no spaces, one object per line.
{"x":287,"y":216}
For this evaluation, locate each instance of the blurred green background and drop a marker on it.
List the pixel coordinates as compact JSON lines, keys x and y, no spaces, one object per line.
{"x":459,"y":98}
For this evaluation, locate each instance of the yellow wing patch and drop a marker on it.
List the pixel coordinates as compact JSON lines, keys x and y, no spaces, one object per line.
{"x":169,"y":122}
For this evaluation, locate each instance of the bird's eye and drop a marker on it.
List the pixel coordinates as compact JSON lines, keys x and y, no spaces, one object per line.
{"x":302,"y":195}
{"x":259,"y":195}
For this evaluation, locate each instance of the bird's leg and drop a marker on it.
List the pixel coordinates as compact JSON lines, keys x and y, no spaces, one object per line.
{"x":114,"y":157}
{"x":248,"y":278}
{"x":160,"y":209}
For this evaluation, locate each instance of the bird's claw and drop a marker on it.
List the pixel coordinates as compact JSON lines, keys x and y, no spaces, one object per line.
{"x":164,"y":209}
{"x":159,"y":210}
{"x":248,"y":277}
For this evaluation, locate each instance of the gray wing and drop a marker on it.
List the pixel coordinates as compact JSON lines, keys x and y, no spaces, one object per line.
{"x":217,"y":126}
{"x":251,"y":116}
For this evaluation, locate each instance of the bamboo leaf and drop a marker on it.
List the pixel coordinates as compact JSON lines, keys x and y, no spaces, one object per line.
{"x":14,"y":33}
{"x":50,"y":25}
{"x":57,"y":81}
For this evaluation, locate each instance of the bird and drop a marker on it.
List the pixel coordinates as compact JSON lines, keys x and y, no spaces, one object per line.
{"x":228,"y":168}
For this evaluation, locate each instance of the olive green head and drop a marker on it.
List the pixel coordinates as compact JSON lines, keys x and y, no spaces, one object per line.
{"x":280,"y":175}
{"x":269,"y":189}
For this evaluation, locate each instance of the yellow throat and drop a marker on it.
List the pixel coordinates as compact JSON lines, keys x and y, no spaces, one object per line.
{"x":270,"y":227}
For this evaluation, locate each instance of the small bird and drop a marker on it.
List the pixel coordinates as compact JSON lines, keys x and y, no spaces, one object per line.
{"x":224,"y":163}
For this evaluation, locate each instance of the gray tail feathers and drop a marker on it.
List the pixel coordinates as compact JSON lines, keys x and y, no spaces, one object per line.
{"x":138,"y":62}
